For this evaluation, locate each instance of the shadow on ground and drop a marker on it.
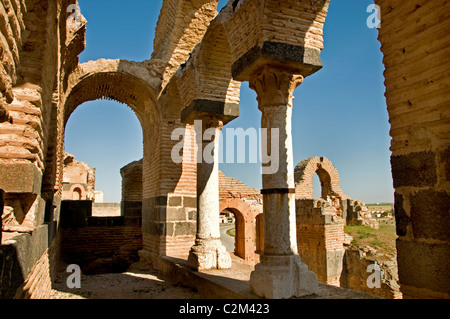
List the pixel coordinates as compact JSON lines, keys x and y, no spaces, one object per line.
{"x":140,"y":281}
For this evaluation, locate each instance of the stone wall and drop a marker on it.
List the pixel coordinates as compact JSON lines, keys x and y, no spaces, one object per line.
{"x":415,"y":43}
{"x":42,"y":83}
{"x":104,"y":245}
{"x":106,"y":209}
{"x":28,"y":263}
{"x":230,"y":187}
{"x":320,"y":238}
{"x":354,"y":275}
{"x":39,"y":281}
{"x":78,"y":179}
{"x":131,"y":204}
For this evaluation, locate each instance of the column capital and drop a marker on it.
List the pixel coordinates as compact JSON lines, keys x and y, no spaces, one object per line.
{"x":201,"y":108}
{"x":275,"y":86}
{"x":209,"y":121}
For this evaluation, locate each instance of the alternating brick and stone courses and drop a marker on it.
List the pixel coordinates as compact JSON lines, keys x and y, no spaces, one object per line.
{"x":200,"y":58}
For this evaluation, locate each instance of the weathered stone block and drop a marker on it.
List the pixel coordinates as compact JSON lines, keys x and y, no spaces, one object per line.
{"x":185,"y":229}
{"x":200,"y":108}
{"x":176,"y":213}
{"x":175,"y":201}
{"x":401,"y":218}
{"x":430,"y":215}
{"x":190,"y":202}
{"x":192,"y":215}
{"x":424,"y":265}
{"x":445,"y":156}
{"x":414,"y":169}
{"x":280,"y":277}
{"x":18,"y":257}
{"x":75,"y":214}
{"x":30,"y":179}
{"x":303,"y":60}
{"x":161,"y":200}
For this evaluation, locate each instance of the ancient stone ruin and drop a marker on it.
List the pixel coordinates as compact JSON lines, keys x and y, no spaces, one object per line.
{"x":78,"y":181}
{"x":199,"y":60}
{"x":322,"y":240}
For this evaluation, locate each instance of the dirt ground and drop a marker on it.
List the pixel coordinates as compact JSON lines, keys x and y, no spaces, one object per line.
{"x":140,"y":281}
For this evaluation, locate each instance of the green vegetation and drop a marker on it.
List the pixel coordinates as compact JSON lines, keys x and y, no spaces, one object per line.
{"x":382,"y":239}
{"x":231,"y":232}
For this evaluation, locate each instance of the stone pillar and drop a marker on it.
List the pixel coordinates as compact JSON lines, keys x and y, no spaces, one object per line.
{"x":281,"y":274}
{"x":208,"y":251}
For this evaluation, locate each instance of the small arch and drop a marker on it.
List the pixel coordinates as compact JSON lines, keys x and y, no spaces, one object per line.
{"x":215,"y":81}
{"x":122,"y":81}
{"x":76,"y":194}
{"x":245,"y":224}
{"x":328,"y":176}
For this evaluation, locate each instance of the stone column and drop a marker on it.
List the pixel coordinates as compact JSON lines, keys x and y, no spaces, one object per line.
{"x":280,"y":274}
{"x":208,"y":251}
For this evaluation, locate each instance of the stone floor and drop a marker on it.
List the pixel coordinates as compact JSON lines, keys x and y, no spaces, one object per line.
{"x":139,"y":282}
{"x":177,"y":281}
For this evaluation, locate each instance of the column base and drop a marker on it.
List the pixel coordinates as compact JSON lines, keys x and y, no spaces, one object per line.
{"x":282,"y":277}
{"x":209,"y":254}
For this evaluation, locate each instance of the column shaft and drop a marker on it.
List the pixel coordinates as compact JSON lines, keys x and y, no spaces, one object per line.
{"x":280,"y":273}
{"x":208,"y":251}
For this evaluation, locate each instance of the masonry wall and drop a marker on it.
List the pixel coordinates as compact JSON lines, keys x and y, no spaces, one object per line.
{"x":320,"y":238}
{"x":106,"y":210}
{"x":131,"y":204}
{"x":354,"y":275}
{"x":39,"y":281}
{"x":104,"y":245}
{"x":169,"y":212}
{"x":36,"y":51}
{"x":97,"y":244}
{"x":416,"y":45}
{"x":28,"y":262}
{"x":230,"y":187}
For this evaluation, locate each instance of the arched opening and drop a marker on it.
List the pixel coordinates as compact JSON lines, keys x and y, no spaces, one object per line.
{"x":76,"y":194}
{"x":109,"y":135}
{"x":143,"y":119}
{"x":317,"y":187}
{"x":93,"y":137}
{"x":231,"y":231}
{"x":246,"y":232}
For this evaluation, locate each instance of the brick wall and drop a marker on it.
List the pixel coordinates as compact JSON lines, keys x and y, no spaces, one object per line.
{"x":27,"y":263}
{"x":320,"y":238}
{"x":181,"y":25}
{"x":415,"y":43}
{"x":230,"y":187}
{"x":104,"y":245}
{"x":38,"y":284}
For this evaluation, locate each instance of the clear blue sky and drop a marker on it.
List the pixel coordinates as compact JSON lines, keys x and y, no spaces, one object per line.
{"x":339,"y":112}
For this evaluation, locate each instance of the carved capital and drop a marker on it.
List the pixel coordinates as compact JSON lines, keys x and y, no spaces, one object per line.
{"x":210,"y":122}
{"x":275,"y":87}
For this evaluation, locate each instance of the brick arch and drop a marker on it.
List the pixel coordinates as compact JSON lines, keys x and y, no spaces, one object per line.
{"x":83,"y":192}
{"x":246,"y":215}
{"x":122,"y":81}
{"x":328,"y":176}
{"x":125,"y":82}
{"x":205,"y":82}
{"x":213,"y":63}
